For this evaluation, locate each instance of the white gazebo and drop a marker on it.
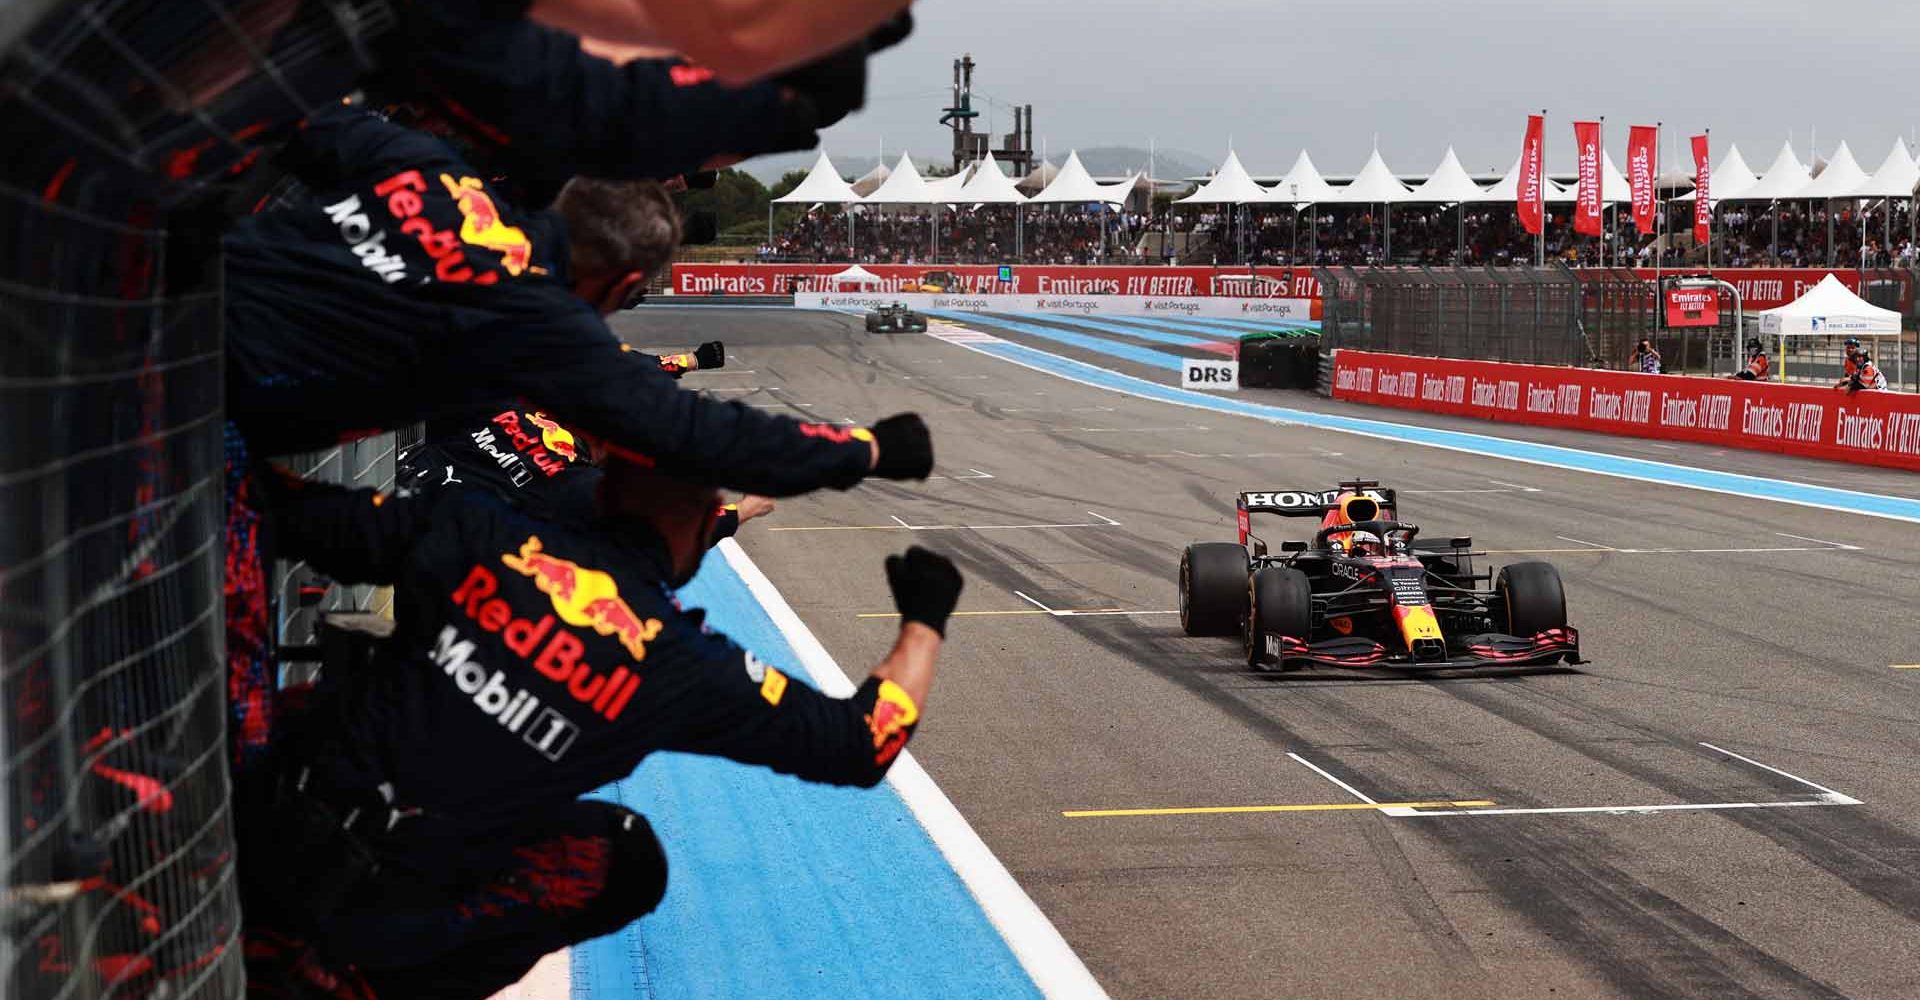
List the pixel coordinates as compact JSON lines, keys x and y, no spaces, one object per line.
{"x":1897,"y":177}
{"x":1829,"y":309}
{"x":1374,"y":185}
{"x":1731,"y":178}
{"x":1302,"y":186}
{"x":1072,"y":185}
{"x":823,"y":185}
{"x":1450,"y":184}
{"x":857,"y":276}
{"x":1783,"y":181}
{"x":1231,"y":186}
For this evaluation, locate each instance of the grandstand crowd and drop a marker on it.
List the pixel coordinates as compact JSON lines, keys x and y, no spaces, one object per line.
{"x":1744,"y":236}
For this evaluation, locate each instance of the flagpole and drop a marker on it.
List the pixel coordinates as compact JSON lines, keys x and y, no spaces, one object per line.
{"x":1600,"y":172}
{"x":1540,"y":197}
{"x":1660,"y":214}
{"x":1696,"y":173}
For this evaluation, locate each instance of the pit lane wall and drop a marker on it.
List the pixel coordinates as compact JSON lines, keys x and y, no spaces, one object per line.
{"x":1875,"y":428}
{"x":1217,"y":307}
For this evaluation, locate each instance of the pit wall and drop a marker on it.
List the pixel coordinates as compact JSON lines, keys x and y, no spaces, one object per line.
{"x":1873,"y":428}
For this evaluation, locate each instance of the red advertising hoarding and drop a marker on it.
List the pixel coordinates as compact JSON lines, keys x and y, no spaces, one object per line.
{"x":1688,"y":307}
{"x":1760,"y":287}
{"x":985,"y":279}
{"x":1875,"y":428}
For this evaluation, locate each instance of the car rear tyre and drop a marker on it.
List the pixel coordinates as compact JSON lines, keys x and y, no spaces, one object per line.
{"x":1213,"y":588}
{"x":1534,"y":598}
{"x":1280,"y":603}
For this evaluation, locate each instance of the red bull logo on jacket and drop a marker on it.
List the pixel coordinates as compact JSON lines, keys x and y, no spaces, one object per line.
{"x":891,"y":721}
{"x":483,"y":228}
{"x":557,"y":439}
{"x":557,"y":653}
{"x":584,"y":597}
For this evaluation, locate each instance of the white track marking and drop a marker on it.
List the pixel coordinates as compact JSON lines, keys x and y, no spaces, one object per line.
{"x":1824,"y":800}
{"x":1110,"y":430}
{"x":901,"y":521}
{"x":1821,"y":541}
{"x":1582,"y":541}
{"x":1317,"y":769}
{"x":1517,"y":486}
{"x":1033,"y":939}
{"x":1790,"y":777}
{"x":972,"y":474}
{"x":1035,"y":603}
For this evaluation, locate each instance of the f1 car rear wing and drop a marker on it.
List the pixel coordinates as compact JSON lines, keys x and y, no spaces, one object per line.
{"x":1308,"y":503}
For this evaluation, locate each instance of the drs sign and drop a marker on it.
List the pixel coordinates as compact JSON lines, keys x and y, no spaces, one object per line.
{"x":1210,"y":373}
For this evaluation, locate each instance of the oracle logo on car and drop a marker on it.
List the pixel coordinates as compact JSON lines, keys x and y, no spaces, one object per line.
{"x":1210,"y":374}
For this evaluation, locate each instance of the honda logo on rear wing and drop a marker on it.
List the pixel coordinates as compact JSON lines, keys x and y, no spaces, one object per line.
{"x":1306,"y":503}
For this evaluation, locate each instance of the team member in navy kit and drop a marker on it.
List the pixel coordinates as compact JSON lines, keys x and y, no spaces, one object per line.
{"x":422,"y":828}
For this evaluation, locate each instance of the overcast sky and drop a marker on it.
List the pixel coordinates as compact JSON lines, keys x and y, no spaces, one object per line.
{"x":1421,"y":74}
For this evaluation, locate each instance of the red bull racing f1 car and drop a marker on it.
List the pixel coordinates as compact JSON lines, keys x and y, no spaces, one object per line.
{"x":1363,"y":593}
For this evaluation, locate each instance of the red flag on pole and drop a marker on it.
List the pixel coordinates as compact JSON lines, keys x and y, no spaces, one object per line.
{"x":1702,"y":205}
{"x":1532,"y":175}
{"x":1586,"y":200}
{"x":1640,"y":175}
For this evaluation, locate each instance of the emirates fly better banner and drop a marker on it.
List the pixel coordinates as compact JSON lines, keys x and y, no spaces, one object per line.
{"x":1702,"y":206}
{"x":1532,"y":176}
{"x":1641,"y":142}
{"x":1586,"y":199}
{"x":1880,"y":428}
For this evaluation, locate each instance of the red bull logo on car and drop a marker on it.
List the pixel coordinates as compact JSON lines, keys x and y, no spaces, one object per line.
{"x":891,"y":721}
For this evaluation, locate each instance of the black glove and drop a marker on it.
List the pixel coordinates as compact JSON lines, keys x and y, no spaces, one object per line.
{"x":925,"y":585}
{"x":906,"y":449}
{"x":710,"y":356}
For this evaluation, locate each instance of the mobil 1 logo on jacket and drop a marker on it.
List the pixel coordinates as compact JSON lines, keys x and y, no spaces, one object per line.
{"x":1210,"y":373}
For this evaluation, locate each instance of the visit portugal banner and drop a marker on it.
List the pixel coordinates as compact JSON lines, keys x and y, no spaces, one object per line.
{"x":1532,"y":176}
{"x":1586,"y":200}
{"x":1641,"y":142}
{"x":1702,"y":199}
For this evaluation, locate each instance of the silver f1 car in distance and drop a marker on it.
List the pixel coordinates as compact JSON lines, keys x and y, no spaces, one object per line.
{"x":895,"y":318}
{"x":1362,"y":593}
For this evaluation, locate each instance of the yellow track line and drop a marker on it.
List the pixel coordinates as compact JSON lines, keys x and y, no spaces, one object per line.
{"x":1320,"y":807}
{"x":1905,"y":666}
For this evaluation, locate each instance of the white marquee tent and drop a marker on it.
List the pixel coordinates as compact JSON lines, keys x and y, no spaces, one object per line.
{"x":1449,"y":184}
{"x":855,"y":275}
{"x":1073,"y":185}
{"x":903,"y":186}
{"x":946,"y":190}
{"x":1229,"y":186}
{"x":1731,"y":178}
{"x":1896,"y":177}
{"x":822,"y":186}
{"x":1783,"y":180}
{"x":1614,"y":188}
{"x":1842,"y":178}
{"x":1373,"y":185}
{"x":1302,"y":185}
{"x":988,"y":186}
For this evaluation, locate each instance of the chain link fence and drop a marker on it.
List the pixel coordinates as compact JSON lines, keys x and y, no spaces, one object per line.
{"x":1522,"y":314}
{"x":122,"y":118}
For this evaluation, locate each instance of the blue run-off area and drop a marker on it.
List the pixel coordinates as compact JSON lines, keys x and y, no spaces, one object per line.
{"x":780,"y":888}
{"x":1756,"y":487}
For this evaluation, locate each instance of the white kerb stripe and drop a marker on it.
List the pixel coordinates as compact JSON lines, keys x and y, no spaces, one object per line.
{"x":1046,"y":956}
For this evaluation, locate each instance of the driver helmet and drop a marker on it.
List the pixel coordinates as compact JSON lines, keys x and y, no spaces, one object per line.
{"x":1365,"y":543}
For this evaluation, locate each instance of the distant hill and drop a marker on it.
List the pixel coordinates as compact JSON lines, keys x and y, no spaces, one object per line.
{"x":1168,"y":164}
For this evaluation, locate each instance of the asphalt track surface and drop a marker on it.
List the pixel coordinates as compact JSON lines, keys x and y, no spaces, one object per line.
{"x":1742,"y":671}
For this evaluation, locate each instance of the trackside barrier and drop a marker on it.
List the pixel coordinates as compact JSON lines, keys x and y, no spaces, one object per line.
{"x":1214,"y":307}
{"x":696,"y":278}
{"x":1876,"y":428}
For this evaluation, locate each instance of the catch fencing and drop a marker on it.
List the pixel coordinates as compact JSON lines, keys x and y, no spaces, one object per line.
{"x":121,"y":118}
{"x":1523,"y":314}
